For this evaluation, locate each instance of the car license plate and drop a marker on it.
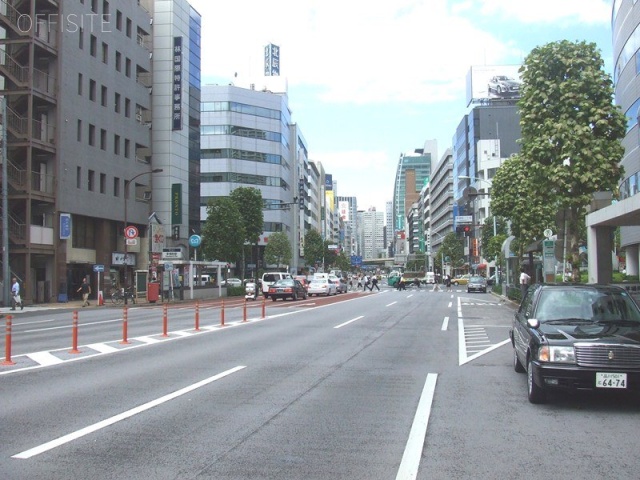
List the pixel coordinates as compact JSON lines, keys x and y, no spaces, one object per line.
{"x":611,"y":380}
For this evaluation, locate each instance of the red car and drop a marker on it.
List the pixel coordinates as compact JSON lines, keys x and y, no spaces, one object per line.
{"x":287,"y":288}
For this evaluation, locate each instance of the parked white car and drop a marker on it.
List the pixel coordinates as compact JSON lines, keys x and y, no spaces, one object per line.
{"x":321,"y":286}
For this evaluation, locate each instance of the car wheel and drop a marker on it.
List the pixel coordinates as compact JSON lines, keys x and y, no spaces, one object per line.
{"x":517,"y":366}
{"x":273,"y":298}
{"x":455,"y":283}
{"x":535,"y":393}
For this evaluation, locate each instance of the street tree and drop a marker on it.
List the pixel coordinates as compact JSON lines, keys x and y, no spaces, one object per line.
{"x":223,"y":231}
{"x":278,"y":250}
{"x":571,"y":131}
{"x":492,"y":240}
{"x":316,"y":250}
{"x":452,"y":248}
{"x":249,"y":203}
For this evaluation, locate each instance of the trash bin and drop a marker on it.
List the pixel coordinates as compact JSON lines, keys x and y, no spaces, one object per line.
{"x":153,"y":292}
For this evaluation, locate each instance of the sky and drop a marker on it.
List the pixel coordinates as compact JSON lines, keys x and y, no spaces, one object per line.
{"x":369,"y":80}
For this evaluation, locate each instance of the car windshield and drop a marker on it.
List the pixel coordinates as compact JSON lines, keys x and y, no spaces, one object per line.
{"x":318,"y":282}
{"x":476,"y":279}
{"x":586,"y":304}
{"x":286,"y":282}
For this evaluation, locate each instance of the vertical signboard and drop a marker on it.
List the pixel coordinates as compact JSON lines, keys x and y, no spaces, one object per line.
{"x":271,"y":60}
{"x":177,"y":84}
{"x":176,"y":204}
{"x":343,"y":208}
{"x":65,"y":226}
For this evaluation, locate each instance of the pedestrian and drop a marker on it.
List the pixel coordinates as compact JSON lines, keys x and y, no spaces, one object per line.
{"x":15,"y":294}
{"x":436,"y":286}
{"x":350,"y":282}
{"x":359,"y":281}
{"x":525,"y":280}
{"x":366,"y":282}
{"x":85,"y":288}
{"x":447,"y":282}
{"x":374,"y":283}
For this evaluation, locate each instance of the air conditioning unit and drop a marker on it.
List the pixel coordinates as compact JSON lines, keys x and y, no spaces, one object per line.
{"x":146,"y":195}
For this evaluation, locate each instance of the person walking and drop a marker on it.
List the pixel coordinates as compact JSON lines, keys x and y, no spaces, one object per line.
{"x":525,"y":280}
{"x":366,"y":283}
{"x":15,"y":294}
{"x":359,"y":282}
{"x":374,"y":283}
{"x":85,"y":288}
{"x":447,"y":282}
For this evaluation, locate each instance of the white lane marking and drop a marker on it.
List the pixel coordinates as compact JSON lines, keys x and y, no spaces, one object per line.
{"x":122,"y":416}
{"x":449,"y":306}
{"x":409,"y":296}
{"x":415,"y":443}
{"x":445,"y":324}
{"x":44,"y":358}
{"x":103,"y":347}
{"x":148,"y":339}
{"x":389,"y":304}
{"x":69,"y":326}
{"x":347,"y":323}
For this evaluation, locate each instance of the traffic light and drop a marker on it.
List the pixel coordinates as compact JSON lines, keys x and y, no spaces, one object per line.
{"x":463,"y":230}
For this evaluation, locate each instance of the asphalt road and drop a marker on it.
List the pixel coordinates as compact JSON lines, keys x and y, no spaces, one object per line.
{"x":414,"y":384}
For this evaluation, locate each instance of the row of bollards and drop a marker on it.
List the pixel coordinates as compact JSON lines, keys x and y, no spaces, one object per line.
{"x":125,"y":326}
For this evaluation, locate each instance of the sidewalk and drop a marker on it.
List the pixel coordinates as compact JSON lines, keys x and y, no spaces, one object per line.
{"x":72,"y":305}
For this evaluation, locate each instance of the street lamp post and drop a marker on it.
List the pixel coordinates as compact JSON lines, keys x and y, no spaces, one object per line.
{"x":126,"y":245}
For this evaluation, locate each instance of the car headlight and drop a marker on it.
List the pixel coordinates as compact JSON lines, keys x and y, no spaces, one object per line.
{"x":557,"y":354}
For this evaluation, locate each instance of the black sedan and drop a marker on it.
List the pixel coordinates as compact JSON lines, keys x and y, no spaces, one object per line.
{"x":477,"y":284}
{"x":577,"y":337}
{"x":287,"y":288}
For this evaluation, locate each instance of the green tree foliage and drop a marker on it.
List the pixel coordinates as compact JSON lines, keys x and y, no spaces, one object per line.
{"x":249,"y":203}
{"x":223,"y":231}
{"x":491,"y":244}
{"x":516,"y":195}
{"x":342,"y":262}
{"x":453,"y":248}
{"x":278,"y":250}
{"x":571,"y":132}
{"x":315,"y":250}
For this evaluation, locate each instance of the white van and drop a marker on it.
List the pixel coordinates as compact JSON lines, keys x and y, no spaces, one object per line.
{"x":430,"y":277}
{"x":203,"y":281}
{"x":270,"y":277}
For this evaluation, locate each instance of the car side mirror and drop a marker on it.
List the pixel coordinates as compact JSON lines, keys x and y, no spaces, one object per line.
{"x":533,"y":323}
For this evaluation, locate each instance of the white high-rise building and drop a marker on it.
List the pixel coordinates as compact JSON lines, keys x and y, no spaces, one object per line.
{"x":373,"y":234}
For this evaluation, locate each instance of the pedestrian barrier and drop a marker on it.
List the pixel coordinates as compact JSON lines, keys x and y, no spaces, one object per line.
{"x":222,"y":314}
{"x":7,"y":343}
{"x":125,"y":325}
{"x":165,"y":321}
{"x":197,"y":327}
{"x":74,"y":334}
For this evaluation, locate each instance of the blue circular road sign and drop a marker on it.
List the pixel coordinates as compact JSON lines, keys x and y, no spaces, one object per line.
{"x":195,"y":241}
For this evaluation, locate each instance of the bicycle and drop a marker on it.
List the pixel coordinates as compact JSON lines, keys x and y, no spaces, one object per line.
{"x":118,"y":296}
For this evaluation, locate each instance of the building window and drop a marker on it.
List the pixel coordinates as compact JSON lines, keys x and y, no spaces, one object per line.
{"x":127,"y":148}
{"x":92,"y":90}
{"x":105,"y":7}
{"x":129,"y":27}
{"x":127,"y":107}
{"x":91,"y":178}
{"x":93,"y":46}
{"x":116,"y":187}
{"x":118,"y":61}
{"x":81,"y":38}
{"x":80,"y":84}
{"x":83,"y":232}
{"x":103,"y":96}
{"x":79,"y":131}
{"x":92,"y":135}
{"x":103,"y":183}
{"x":116,"y":99}
{"x":94,"y":6}
{"x":116,"y":144}
{"x":103,"y":139}
{"x":119,"y":20}
{"x":78,"y":177}
{"x":105,"y":53}
{"x":127,"y":67}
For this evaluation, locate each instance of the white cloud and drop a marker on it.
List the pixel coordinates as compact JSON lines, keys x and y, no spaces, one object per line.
{"x":566,"y":12}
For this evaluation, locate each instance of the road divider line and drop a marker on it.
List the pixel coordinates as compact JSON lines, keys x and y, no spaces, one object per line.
{"x":415,"y":443}
{"x":122,"y":416}
{"x":389,"y":304}
{"x":350,"y":321}
{"x":445,"y":324}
